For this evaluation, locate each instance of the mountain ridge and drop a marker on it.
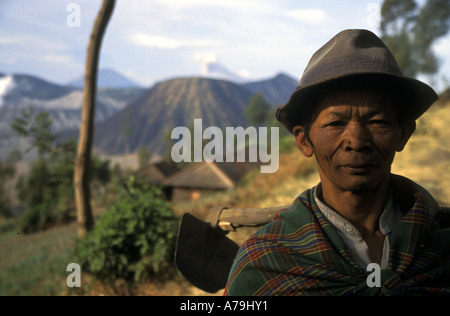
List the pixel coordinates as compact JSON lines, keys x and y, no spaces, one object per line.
{"x":165,"y":105}
{"x":62,"y":102}
{"x":276,"y":90}
{"x":168,"y":104}
{"x":177,"y":102}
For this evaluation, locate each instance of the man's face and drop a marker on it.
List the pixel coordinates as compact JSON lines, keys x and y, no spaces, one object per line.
{"x":354,"y":138}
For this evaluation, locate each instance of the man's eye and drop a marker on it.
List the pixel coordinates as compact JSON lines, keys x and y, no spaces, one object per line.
{"x":379,"y":122}
{"x":335,"y":124}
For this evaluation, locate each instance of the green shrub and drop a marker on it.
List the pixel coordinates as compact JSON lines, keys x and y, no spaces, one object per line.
{"x":134,"y":239}
{"x":47,"y":193}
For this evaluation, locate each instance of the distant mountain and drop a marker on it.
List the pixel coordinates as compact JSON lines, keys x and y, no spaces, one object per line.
{"x":107,"y":78}
{"x":172,"y":103}
{"x":128,"y":119}
{"x":276,"y":90}
{"x":63,"y":103}
{"x":26,"y":86}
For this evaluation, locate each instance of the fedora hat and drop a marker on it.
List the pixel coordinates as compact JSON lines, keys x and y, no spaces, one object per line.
{"x":354,"y":58}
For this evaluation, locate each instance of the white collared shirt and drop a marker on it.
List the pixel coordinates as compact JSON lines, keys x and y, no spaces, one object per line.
{"x":390,"y":217}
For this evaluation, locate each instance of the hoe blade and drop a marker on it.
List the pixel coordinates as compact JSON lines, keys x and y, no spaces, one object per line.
{"x":204,"y":255}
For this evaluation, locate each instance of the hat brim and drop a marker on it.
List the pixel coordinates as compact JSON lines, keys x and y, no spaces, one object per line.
{"x":414,"y":97}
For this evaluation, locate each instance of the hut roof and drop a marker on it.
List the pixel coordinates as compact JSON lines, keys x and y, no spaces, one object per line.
{"x":205,"y":175}
{"x":157,"y":173}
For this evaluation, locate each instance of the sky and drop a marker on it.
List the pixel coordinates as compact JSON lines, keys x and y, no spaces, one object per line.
{"x":155,"y":40}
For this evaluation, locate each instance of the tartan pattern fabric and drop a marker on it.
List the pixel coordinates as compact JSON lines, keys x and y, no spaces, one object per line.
{"x":300,"y":253}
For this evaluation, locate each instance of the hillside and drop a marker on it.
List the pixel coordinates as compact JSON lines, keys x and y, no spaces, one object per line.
{"x":169,"y":104}
{"x":276,"y":90}
{"x":426,"y":158}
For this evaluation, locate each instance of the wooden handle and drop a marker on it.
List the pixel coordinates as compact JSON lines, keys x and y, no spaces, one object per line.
{"x":229,"y":219}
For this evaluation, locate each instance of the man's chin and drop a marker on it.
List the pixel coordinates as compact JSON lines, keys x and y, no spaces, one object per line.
{"x":363,"y":184}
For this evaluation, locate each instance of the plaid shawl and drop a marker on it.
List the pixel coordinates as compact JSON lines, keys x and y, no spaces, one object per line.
{"x":300,"y":253}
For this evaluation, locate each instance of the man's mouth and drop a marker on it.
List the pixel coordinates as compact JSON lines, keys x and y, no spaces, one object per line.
{"x":359,"y":168}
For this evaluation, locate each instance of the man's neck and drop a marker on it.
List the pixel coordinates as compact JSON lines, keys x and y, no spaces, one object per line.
{"x":362,"y":209}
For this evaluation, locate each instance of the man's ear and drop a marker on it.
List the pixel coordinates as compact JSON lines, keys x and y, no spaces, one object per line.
{"x":302,"y":141}
{"x":408,"y":128}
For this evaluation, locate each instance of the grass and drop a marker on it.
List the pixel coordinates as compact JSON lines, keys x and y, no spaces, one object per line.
{"x":35,"y":264}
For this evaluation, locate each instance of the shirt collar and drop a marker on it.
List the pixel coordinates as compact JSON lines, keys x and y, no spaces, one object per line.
{"x":390,"y":217}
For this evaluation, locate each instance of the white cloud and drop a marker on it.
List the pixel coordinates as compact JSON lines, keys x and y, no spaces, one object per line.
{"x":158,"y":41}
{"x":314,"y":16}
{"x":35,"y":42}
{"x":10,"y":40}
{"x":58,"y":59}
{"x":211,"y":68}
{"x":245,"y":74}
{"x":235,"y":5}
{"x":257,"y":38}
{"x":204,"y":60}
{"x":6,"y":84}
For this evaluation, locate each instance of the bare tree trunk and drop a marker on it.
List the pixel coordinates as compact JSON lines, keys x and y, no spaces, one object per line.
{"x":85,"y":218}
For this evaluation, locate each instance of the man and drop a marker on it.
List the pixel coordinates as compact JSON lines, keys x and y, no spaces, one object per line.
{"x":353,"y":110}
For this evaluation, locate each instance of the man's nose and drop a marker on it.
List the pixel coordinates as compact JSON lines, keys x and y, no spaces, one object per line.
{"x":357,"y":137}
